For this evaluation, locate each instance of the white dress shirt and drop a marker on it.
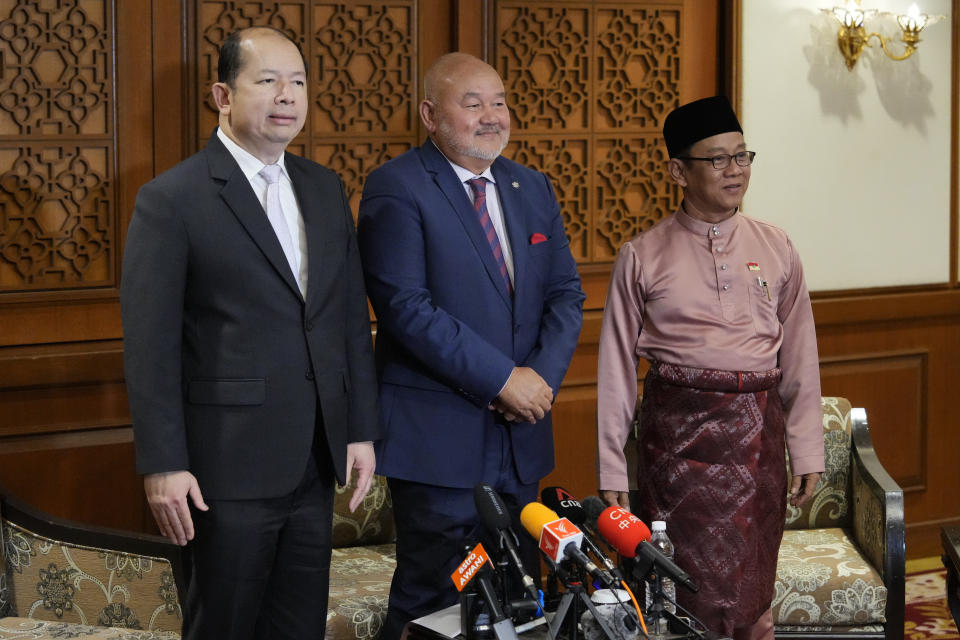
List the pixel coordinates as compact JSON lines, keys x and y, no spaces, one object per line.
{"x":251,"y":167}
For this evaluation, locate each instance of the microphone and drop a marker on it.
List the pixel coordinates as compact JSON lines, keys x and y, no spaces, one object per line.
{"x":566,"y":506}
{"x":477,"y":565}
{"x":593,"y":507}
{"x":559,"y":538}
{"x":495,"y":517}
{"x":560,"y":500}
{"x":630,"y":537}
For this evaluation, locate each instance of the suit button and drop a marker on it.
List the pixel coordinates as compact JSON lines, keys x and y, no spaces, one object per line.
{"x":309,"y":375}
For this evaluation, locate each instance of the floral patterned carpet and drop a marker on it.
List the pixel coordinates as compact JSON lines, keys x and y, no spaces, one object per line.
{"x":927,"y":615}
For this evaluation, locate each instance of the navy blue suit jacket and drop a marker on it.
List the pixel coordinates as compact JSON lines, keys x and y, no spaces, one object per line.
{"x":448,"y":333}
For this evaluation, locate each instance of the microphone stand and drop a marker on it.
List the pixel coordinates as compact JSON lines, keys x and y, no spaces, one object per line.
{"x":658,"y":605}
{"x":567,"y":617}
{"x":551,"y":599}
{"x":484,"y":588}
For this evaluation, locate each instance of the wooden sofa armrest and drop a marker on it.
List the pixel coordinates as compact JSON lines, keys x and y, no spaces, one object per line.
{"x":877,"y":498}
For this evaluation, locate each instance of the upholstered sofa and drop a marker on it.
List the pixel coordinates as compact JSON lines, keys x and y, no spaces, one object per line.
{"x":60,"y":579}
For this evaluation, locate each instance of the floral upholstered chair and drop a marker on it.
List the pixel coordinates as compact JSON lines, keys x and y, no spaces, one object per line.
{"x":841,"y":567}
{"x":63,"y":580}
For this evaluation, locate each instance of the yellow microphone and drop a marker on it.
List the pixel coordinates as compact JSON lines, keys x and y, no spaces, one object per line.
{"x":554,"y":533}
{"x":560,"y":539}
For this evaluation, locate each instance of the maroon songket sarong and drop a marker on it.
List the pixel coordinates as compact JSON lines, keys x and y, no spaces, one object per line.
{"x":712,"y":465}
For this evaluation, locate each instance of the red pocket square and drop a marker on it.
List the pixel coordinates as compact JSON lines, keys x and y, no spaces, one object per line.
{"x":537,"y":238}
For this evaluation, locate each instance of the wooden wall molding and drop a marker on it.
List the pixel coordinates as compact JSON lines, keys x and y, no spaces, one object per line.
{"x":62,"y":388}
{"x":89,"y":439}
{"x":894,"y":387}
{"x":904,"y":304}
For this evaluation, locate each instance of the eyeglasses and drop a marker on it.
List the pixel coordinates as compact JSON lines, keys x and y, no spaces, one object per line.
{"x":722,"y":161}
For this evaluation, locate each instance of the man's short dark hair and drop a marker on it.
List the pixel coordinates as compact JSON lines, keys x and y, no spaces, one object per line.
{"x":231,"y":55}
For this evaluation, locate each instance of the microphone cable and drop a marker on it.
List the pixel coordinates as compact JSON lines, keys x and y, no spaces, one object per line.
{"x":636,"y":606}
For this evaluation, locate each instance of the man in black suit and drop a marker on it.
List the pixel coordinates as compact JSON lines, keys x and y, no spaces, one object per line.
{"x":248,"y":354}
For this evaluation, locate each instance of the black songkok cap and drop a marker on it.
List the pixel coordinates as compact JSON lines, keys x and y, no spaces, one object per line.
{"x":694,"y":121}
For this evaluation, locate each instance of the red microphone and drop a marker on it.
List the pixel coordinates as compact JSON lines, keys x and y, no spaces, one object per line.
{"x":623,"y":530}
{"x":629,"y":536}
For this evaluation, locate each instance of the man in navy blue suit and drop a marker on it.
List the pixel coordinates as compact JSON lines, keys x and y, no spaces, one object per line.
{"x":479,"y":308}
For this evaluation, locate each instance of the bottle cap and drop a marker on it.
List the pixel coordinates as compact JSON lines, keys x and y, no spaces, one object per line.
{"x":659,"y":525}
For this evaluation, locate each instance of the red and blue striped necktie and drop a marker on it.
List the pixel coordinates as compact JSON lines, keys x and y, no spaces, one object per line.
{"x":479,"y":188}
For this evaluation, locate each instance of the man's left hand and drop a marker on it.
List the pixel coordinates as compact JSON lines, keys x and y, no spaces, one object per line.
{"x":360,"y":456}
{"x":802,"y":488}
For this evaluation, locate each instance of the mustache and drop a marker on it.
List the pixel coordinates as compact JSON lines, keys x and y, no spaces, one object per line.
{"x":488,"y":129}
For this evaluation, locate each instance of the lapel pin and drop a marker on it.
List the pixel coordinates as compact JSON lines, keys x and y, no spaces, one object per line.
{"x":515,"y":184}
{"x":753,"y":266}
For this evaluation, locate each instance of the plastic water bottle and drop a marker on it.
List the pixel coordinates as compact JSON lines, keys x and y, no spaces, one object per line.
{"x":660,"y":540}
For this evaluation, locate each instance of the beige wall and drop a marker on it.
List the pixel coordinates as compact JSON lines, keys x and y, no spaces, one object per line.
{"x":855,"y":165}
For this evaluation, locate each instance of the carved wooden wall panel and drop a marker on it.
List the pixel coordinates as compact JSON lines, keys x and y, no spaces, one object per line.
{"x":589,"y":85}
{"x":57,"y":189}
{"x":363,"y":76}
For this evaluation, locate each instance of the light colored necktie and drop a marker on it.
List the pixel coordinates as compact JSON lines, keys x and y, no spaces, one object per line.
{"x":271,"y":173}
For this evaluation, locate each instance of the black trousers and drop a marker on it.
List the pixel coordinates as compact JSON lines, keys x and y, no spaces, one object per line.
{"x":260,"y":569}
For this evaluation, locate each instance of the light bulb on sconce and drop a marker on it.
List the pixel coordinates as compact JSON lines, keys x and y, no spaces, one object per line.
{"x":852,"y":37}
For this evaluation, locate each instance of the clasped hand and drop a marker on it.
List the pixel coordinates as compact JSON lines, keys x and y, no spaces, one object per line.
{"x":525,"y":398}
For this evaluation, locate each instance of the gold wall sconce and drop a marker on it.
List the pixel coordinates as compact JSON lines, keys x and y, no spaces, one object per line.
{"x":853,"y":37}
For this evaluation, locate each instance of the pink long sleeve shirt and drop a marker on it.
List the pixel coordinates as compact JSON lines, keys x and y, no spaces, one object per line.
{"x":726,"y":296}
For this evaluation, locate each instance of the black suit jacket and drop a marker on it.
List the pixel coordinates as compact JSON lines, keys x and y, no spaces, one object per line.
{"x":229,"y":370}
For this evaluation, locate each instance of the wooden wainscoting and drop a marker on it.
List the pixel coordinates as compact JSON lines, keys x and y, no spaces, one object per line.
{"x":897,"y":355}
{"x":65,"y":438}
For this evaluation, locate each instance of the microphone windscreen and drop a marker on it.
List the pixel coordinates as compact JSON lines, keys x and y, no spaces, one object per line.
{"x":491,"y":507}
{"x":623,"y":530}
{"x":534,"y":516}
{"x":592,"y":508}
{"x":563,"y":502}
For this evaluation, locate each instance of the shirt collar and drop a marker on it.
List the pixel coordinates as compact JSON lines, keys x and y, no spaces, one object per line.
{"x":249,"y":163}
{"x":465,"y":174}
{"x":707,"y":229}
